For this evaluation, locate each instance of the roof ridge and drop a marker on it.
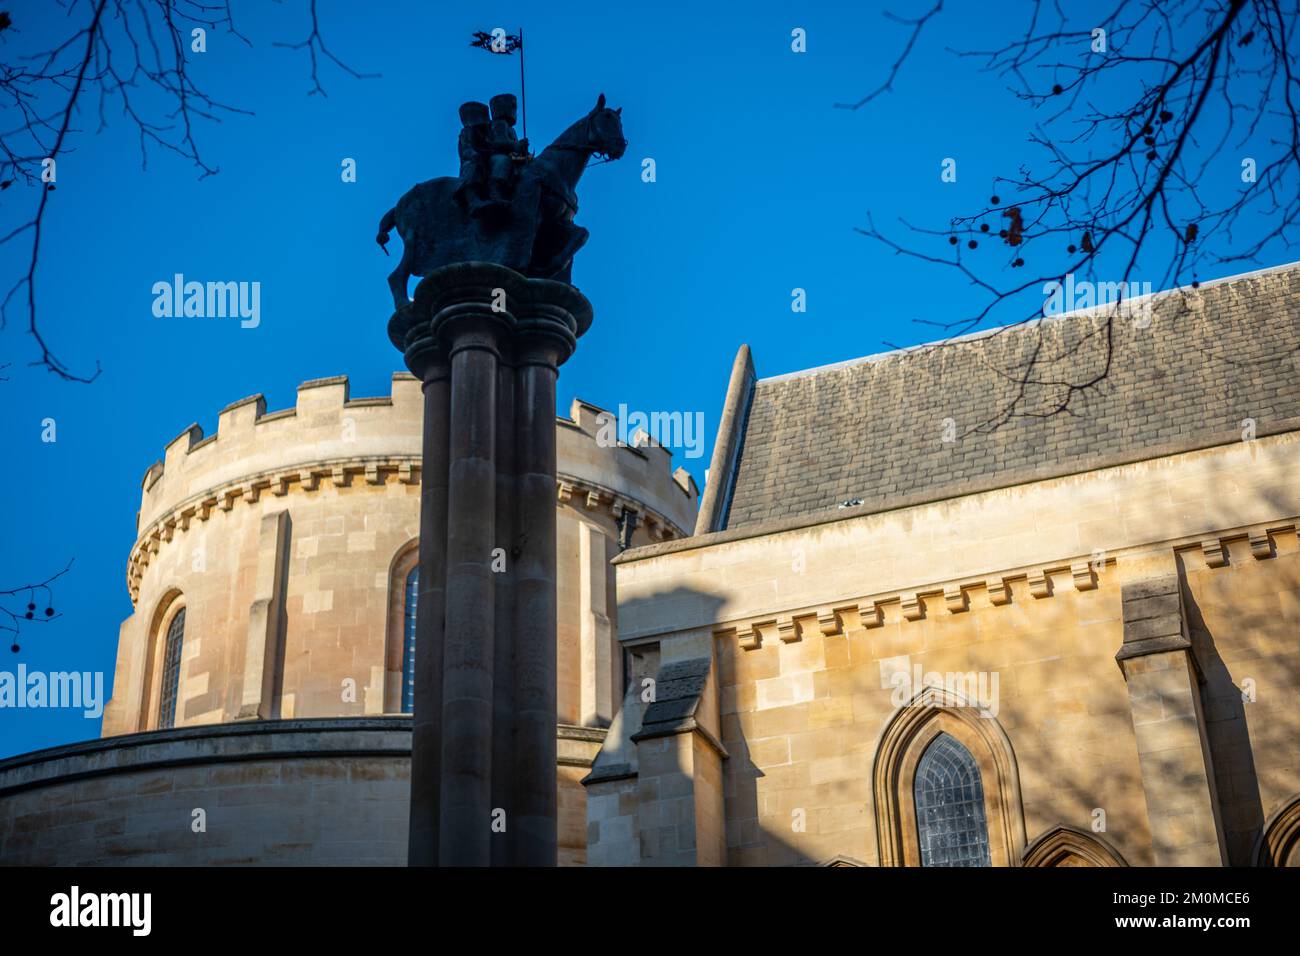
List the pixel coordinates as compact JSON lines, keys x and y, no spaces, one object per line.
{"x":984,"y":333}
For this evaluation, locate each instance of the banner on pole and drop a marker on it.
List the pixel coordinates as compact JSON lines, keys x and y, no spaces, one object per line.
{"x":498,"y":41}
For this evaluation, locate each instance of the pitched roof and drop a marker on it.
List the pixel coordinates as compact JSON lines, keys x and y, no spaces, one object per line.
{"x":873,"y":429}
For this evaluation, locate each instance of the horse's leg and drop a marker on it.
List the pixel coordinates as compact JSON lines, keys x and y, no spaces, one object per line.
{"x":399,"y":277}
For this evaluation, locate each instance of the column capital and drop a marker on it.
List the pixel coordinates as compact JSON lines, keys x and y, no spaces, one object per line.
{"x":531,"y":321}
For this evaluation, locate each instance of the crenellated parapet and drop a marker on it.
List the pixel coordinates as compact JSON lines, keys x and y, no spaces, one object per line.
{"x":636,"y":476}
{"x":325,"y":425}
{"x":331,"y":440}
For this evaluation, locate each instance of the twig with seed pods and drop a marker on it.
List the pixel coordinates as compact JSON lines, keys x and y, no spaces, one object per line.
{"x":1122,"y":189}
{"x":29,"y":604}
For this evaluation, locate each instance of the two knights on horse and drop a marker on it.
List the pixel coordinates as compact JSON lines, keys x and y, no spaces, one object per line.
{"x":491,"y":156}
{"x":506,"y":206}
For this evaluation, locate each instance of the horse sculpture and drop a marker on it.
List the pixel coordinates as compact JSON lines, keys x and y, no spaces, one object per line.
{"x":536,"y":237}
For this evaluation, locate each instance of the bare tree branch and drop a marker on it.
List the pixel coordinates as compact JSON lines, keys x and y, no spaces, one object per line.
{"x":29,"y":604}
{"x":117,"y":56}
{"x":917,"y":26}
{"x":1122,"y":186}
{"x":315,"y":42}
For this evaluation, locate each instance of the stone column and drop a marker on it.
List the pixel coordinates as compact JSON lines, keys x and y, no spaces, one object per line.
{"x":467,"y":702}
{"x":504,"y":786}
{"x":430,"y":608}
{"x":535,"y":668}
{"x":492,"y":553}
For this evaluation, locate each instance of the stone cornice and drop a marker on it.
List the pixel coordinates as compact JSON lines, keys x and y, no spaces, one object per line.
{"x":387,"y":735}
{"x":954,"y":597}
{"x":1010,"y":479}
{"x":595,"y":496}
{"x":342,"y":472}
{"x":375,"y":471}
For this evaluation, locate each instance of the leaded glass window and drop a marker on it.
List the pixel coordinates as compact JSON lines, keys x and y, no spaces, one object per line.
{"x":408,"y":640}
{"x":171,"y":675}
{"x":950,"y":817}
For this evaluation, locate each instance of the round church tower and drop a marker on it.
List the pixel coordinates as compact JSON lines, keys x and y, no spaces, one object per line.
{"x":274,"y":573}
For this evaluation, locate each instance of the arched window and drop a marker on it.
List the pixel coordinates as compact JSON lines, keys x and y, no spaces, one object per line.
{"x":1069,"y":846}
{"x":171,"y":672}
{"x":399,"y":632}
{"x":408,"y":640}
{"x":947,"y":792}
{"x":1278,"y":843}
{"x":952,"y":830}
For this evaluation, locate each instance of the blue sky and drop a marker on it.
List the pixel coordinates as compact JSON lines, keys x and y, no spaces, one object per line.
{"x":760,"y":181}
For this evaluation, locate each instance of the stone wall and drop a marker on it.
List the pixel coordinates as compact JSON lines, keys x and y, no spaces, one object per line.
{"x":287,"y":538}
{"x":132,"y":800}
{"x":1133,"y":627}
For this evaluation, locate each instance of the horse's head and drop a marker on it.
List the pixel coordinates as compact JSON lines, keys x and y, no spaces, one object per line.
{"x":605,"y":130}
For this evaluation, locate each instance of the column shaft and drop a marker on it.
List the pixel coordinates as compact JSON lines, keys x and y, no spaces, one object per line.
{"x":535,"y":609}
{"x":430,"y":610}
{"x":504,"y":780}
{"x":466,"y":799}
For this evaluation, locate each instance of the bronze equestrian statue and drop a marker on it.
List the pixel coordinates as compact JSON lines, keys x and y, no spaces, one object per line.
{"x":505,"y":207}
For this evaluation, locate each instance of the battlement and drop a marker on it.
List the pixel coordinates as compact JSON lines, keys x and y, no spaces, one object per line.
{"x":329,"y":433}
{"x":587,"y":450}
{"x":325,"y":424}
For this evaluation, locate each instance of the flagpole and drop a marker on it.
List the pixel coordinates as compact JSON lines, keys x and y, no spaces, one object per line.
{"x":523,"y":93}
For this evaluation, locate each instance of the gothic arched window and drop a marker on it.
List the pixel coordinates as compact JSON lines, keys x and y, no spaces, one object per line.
{"x":408,"y":640}
{"x":952,"y":829}
{"x":171,"y":673}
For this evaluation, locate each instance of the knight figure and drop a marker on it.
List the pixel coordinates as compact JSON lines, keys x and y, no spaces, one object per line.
{"x":505,"y":206}
{"x":491,"y":156}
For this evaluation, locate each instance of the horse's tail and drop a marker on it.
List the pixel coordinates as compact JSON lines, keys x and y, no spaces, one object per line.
{"x":386,"y":225}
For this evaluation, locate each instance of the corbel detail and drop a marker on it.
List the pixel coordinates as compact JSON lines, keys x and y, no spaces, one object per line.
{"x":1085,"y":578}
